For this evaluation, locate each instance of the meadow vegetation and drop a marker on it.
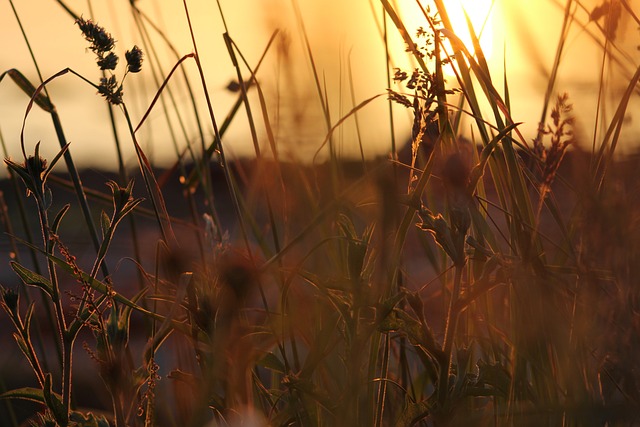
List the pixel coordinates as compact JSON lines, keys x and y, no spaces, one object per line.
{"x":484,"y":280}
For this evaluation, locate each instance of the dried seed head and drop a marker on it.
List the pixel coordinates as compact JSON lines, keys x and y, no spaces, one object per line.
{"x":110,"y":89}
{"x":399,"y":75}
{"x":101,"y":41}
{"x":108,"y":62}
{"x":399,"y":98}
{"x":134,"y":59}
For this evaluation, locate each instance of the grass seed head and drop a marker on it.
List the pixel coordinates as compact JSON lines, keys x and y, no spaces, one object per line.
{"x":101,"y":41}
{"x":108,"y":62}
{"x":110,"y":89}
{"x":134,"y":59}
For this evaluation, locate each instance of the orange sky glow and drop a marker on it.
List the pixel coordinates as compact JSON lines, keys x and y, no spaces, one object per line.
{"x":346,"y":41}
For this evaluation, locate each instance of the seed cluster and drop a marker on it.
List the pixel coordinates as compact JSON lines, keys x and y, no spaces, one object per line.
{"x":102,"y":44}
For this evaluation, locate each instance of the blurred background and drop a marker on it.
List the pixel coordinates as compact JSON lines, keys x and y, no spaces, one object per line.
{"x":347,"y":43}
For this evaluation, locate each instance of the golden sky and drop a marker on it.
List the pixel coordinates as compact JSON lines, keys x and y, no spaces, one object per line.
{"x":347,"y":46}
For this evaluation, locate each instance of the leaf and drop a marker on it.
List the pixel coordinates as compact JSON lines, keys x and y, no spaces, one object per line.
{"x":53,"y":162}
{"x":412,"y":413}
{"x":21,"y":343}
{"x":26,"y":393}
{"x":88,"y":420}
{"x":29,"y":316}
{"x":23,"y":83}
{"x":105,"y":224}
{"x":494,"y":375}
{"x":388,"y":305}
{"x":271,"y":361}
{"x":104,"y":289}
{"x":184,"y":377}
{"x":31,"y":278}
{"x":56,"y":222}
{"x":156,"y":341}
{"x":54,"y":402}
{"x":24,"y":174}
{"x":412,"y":47}
{"x":356,"y":253}
{"x":36,"y":97}
{"x":347,"y":227}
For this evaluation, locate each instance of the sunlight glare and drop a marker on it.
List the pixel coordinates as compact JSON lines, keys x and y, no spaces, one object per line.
{"x":480,"y":13}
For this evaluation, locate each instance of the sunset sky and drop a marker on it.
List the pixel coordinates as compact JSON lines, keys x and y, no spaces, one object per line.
{"x":345,"y":41}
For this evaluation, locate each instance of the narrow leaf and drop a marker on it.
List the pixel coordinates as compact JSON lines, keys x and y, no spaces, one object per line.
{"x":23,"y":83}
{"x":54,"y":402}
{"x":53,"y":162}
{"x":28,"y":317}
{"x":271,"y":361}
{"x":412,"y":413}
{"x":26,"y":393}
{"x":56,"y":222}
{"x":21,"y":343}
{"x":31,"y":278}
{"x":105,"y":224}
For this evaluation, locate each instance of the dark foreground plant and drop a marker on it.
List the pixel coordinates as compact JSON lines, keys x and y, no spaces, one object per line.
{"x":34,"y":173}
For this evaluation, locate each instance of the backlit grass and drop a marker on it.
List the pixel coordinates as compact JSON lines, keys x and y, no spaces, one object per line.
{"x":470,"y":278}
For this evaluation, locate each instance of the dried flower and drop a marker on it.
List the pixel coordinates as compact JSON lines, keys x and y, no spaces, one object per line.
{"x":108,"y":62}
{"x":110,"y":89}
{"x":561,"y":134}
{"x":134,"y":59}
{"x":101,"y":41}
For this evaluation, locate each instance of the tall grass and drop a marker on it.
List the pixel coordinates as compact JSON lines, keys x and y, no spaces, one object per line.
{"x":451,"y":286}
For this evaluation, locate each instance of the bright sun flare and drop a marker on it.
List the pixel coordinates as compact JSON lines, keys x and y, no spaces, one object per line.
{"x":480,"y":13}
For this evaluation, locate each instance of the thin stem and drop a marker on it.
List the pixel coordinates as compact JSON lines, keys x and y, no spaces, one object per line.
{"x":67,"y":371}
{"x":382,"y":391}
{"x":394,"y":149}
{"x":155,"y":195}
{"x":449,"y":334}
{"x":67,"y":344}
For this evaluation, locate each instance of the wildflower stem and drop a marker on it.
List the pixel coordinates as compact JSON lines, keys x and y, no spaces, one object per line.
{"x":60,"y":323}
